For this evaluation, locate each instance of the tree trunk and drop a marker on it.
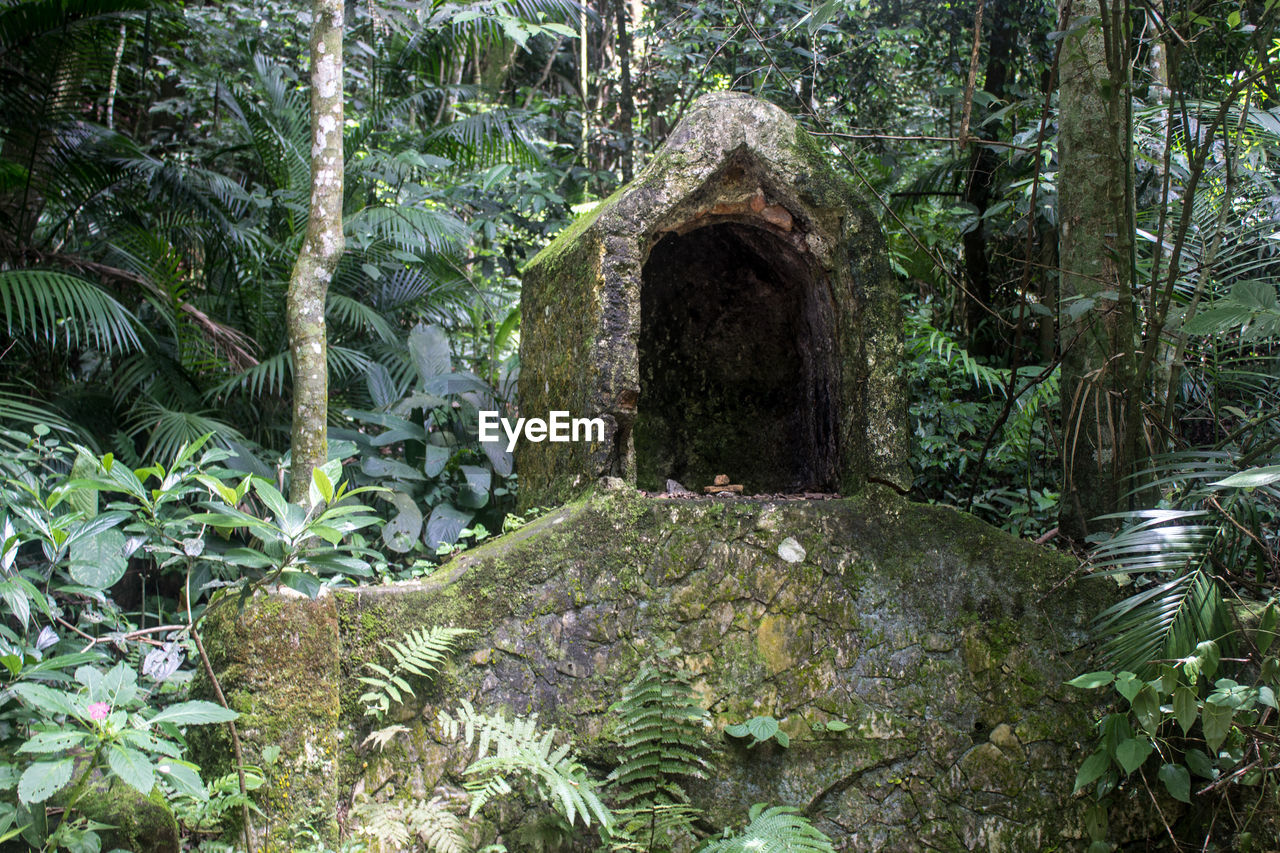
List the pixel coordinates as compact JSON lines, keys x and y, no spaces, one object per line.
{"x":1095,"y":207}
{"x":318,"y":258}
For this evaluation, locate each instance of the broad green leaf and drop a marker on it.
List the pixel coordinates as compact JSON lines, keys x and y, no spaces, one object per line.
{"x":1131,"y":753}
{"x":99,"y":561}
{"x":133,"y":768}
{"x":1146,"y":707}
{"x":436,"y":458}
{"x":1185,"y":707}
{"x":184,"y":778}
{"x":762,"y":728}
{"x":474,"y":493}
{"x":1216,"y":720}
{"x":58,"y":741}
{"x":1092,"y":680}
{"x":194,"y":712}
{"x":837,"y":726}
{"x":45,"y":698}
{"x":1092,"y":768}
{"x":1177,"y":781}
{"x":737,"y":730}
{"x":43,"y":779}
{"x":304,"y":582}
{"x":1128,"y":685}
{"x":444,"y":525}
{"x":1200,"y":764}
{"x":402,"y":531}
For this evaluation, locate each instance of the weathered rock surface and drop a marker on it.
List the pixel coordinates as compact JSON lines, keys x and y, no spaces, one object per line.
{"x":941,"y":641}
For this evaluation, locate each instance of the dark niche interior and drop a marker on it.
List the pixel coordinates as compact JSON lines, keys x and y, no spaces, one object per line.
{"x":737,"y":364}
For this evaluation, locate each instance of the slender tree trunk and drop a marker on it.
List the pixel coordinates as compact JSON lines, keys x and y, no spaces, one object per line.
{"x":321,"y":248}
{"x":627,"y":118}
{"x":1095,"y":253}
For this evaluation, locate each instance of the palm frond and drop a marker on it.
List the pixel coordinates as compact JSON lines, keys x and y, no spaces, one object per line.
{"x":57,"y":305}
{"x":167,"y":430}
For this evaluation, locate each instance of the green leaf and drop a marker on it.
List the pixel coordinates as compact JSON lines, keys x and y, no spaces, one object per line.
{"x":1200,"y":764}
{"x":444,"y":525}
{"x":1146,"y":707}
{"x":1131,"y":753}
{"x":1266,"y":633}
{"x":1216,"y":720}
{"x":1185,"y":707}
{"x":43,"y":779}
{"x":737,"y":730}
{"x":99,"y":561}
{"x":194,"y":713}
{"x":837,"y":726}
{"x":1128,"y":685}
{"x":1252,"y":478}
{"x":435,"y":459}
{"x":133,"y":768}
{"x":183,"y":777}
{"x":45,"y":698}
{"x":400,"y":533}
{"x":1092,"y":768}
{"x":762,"y":728}
{"x":58,"y":741}
{"x":474,"y":493}
{"x":783,"y":739}
{"x":1177,"y":781}
{"x":1092,"y":680}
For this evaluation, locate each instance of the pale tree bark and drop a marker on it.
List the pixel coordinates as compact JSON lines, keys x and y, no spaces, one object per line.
{"x":321,"y":248}
{"x":1095,"y":213}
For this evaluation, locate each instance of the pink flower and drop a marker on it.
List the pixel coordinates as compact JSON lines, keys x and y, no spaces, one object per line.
{"x":99,"y":710}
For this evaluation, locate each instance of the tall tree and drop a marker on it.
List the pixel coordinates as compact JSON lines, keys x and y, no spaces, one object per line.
{"x":321,"y":249}
{"x":1095,"y":212}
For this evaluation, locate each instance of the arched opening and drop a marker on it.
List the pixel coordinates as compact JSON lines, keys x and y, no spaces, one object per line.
{"x":738,"y":363}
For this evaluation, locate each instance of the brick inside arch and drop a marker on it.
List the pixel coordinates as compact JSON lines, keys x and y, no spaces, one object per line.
{"x":737,"y":358}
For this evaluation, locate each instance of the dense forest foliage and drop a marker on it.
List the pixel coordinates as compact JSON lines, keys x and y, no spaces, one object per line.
{"x":1082,"y":203}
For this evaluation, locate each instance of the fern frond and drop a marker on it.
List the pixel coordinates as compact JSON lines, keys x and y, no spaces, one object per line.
{"x":776,"y":829}
{"x":383,"y":736}
{"x":419,"y":652}
{"x":515,"y":749}
{"x":439,"y":829}
{"x":923,"y":337}
{"x":661,"y":737}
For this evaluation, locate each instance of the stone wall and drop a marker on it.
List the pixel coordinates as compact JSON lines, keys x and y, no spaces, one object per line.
{"x":942,"y":642}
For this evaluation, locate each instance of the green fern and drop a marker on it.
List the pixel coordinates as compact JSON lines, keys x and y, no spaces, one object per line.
{"x":395,"y":825}
{"x":776,"y":829}
{"x":420,"y":652}
{"x":923,"y":337}
{"x":515,"y":750}
{"x":661,"y":737}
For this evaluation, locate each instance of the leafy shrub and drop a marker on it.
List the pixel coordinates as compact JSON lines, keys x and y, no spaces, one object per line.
{"x":421,"y":443}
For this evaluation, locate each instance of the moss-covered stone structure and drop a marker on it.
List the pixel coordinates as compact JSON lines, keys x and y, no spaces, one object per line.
{"x":729,"y":311}
{"x":940,"y":641}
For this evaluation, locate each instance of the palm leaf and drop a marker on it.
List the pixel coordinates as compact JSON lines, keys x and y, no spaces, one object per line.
{"x":51,"y":305}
